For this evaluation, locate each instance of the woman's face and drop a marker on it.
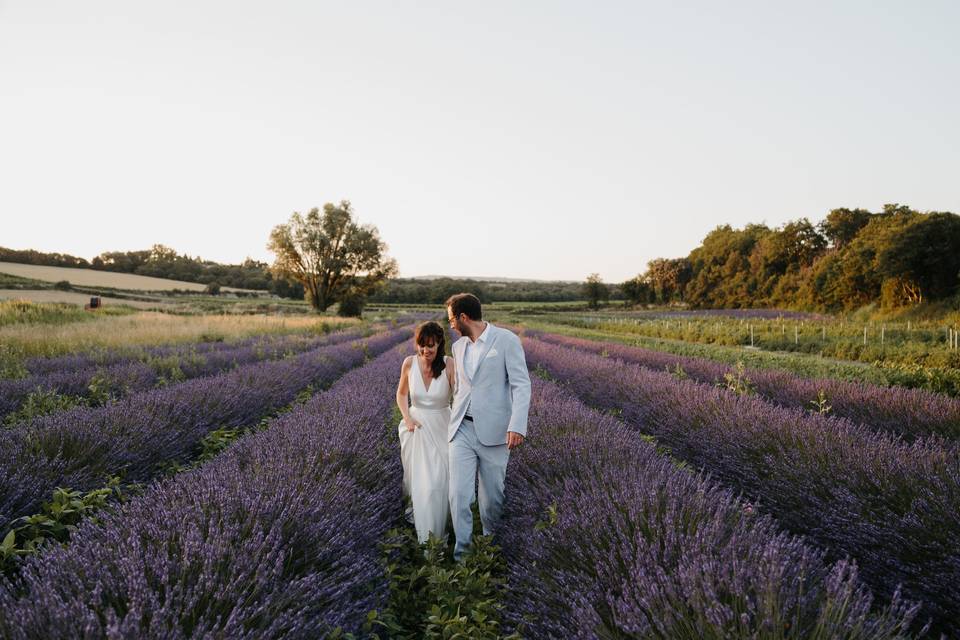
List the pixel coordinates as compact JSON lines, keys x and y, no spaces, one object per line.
{"x":428,"y":351}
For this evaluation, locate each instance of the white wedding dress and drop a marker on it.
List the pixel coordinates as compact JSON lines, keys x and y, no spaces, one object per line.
{"x":424,"y":453}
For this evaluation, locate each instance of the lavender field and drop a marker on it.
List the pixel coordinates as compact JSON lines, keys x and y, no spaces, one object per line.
{"x":257,"y":494}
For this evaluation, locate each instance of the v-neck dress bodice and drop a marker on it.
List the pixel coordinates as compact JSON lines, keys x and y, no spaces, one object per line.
{"x":434,"y":398}
{"x":424,"y":452}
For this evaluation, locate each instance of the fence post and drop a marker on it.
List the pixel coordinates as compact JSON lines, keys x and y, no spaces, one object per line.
{"x":796,"y":335}
{"x":883,"y":330}
{"x":751,"y":335}
{"x":864,"y":336}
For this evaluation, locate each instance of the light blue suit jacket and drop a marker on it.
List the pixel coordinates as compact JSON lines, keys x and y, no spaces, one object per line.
{"x":498,"y":393}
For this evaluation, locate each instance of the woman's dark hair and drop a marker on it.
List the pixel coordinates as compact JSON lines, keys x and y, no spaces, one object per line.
{"x":432,"y":332}
{"x":465,"y":303}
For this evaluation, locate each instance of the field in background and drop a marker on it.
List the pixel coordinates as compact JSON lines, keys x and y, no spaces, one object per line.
{"x":607,"y":423}
{"x":93,"y":278}
{"x":921,"y":354}
{"x":70,"y":297}
{"x":143,"y":329}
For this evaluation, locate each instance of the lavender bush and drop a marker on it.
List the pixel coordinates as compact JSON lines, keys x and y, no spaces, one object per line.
{"x":277,"y":537}
{"x":893,"y":507}
{"x":150,"y":366}
{"x":81,"y":447}
{"x":910,"y":413}
{"x":606,"y":538}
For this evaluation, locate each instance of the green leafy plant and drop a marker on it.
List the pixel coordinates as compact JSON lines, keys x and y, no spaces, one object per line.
{"x":58,"y":519}
{"x":678,"y":372}
{"x":821,"y":405}
{"x":41,"y":402}
{"x":431,"y":596}
{"x":737,"y":380}
{"x":550,"y":519}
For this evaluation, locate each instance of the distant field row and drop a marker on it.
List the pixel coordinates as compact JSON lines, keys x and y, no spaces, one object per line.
{"x":93,"y":278}
{"x":70,"y":297}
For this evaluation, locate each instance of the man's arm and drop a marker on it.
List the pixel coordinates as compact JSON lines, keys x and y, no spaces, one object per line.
{"x":519,"y":379}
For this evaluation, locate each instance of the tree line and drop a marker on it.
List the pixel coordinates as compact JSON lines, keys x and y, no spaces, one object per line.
{"x":896,"y":257}
{"x":160,"y":261}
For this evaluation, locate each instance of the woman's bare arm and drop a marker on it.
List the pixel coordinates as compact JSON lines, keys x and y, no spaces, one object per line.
{"x":403,"y":394}
{"x":452,"y":375}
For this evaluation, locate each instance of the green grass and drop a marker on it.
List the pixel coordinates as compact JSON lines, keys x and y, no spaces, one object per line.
{"x":21,"y":312}
{"x":937,"y":379}
{"x":10,"y":281}
{"x":910,"y":343}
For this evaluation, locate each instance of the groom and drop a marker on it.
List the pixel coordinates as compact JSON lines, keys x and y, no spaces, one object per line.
{"x":489,"y":415}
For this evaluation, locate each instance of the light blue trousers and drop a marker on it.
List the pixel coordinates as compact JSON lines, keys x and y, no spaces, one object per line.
{"x":467,"y":456}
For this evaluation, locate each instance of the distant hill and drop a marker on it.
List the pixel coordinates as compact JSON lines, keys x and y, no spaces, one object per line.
{"x":162,"y":269}
{"x":500,"y":279}
{"x":165,"y":263}
{"x":94,"y":278}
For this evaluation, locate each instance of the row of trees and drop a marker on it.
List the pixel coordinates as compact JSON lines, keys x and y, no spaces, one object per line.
{"x":896,"y":257}
{"x":163,"y":262}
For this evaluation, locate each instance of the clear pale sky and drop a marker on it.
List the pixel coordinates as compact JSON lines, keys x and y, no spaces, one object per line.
{"x":515,"y":139}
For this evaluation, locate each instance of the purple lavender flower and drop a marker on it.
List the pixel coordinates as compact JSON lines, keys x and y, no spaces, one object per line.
{"x":893,"y":507}
{"x":81,"y":447}
{"x":604,"y":537}
{"x":276,"y":537}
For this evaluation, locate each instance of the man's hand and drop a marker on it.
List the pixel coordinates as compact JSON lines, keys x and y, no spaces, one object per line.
{"x":514,"y":439}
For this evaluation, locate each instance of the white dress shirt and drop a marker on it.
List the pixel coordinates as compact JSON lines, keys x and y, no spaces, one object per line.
{"x":471,"y":356}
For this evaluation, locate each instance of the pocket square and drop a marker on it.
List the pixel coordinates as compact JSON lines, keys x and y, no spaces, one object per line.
{"x":490,"y":354}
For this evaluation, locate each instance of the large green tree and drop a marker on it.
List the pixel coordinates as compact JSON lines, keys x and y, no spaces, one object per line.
{"x":637,"y":290}
{"x":331,"y":255}
{"x":595,"y":291}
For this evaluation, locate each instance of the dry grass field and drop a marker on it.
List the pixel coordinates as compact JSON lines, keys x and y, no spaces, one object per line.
{"x":71,"y":297}
{"x":150,"y":328}
{"x":91,"y":278}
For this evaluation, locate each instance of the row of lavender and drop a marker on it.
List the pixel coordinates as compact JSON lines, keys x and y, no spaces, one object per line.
{"x":910,"y":413}
{"x":144,"y":370}
{"x":134,"y":437}
{"x":94,"y":358}
{"x":606,"y":538}
{"x":276,"y":537}
{"x":893,"y":507}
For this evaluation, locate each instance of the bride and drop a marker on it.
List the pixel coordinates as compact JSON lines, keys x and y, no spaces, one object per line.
{"x":427,"y":380}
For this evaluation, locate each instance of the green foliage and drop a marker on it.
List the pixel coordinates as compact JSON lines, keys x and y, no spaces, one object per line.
{"x":58,"y":519}
{"x":351,"y":306}
{"x":431,"y":596}
{"x":330,"y":254}
{"x":678,"y":372}
{"x":550,"y":518}
{"x":541,"y":372}
{"x":667,"y":278}
{"x":821,"y":405}
{"x":737,"y":380}
{"x":24,"y":312}
{"x":637,"y":291}
{"x":216,"y":441}
{"x":899,"y":257}
{"x":595,"y":291}
{"x":915,"y":355}
{"x":39,"y":403}
{"x":168,"y":368}
{"x":11,"y":362}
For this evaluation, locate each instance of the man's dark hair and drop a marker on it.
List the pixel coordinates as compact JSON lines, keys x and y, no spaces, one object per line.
{"x":465,"y":303}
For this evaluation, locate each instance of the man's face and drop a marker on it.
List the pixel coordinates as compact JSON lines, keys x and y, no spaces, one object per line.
{"x":454,"y":321}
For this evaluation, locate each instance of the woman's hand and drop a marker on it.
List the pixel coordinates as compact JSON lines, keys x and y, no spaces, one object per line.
{"x":411,"y":424}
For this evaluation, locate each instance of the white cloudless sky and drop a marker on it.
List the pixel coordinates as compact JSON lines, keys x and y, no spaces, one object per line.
{"x":526,"y":139}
